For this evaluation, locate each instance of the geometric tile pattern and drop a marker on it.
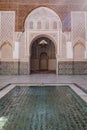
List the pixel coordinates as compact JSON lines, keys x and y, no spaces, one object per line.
{"x":13,"y":68}
{"x":73,"y":67}
{"x":7,"y":26}
{"x":80,"y":68}
{"x":64,"y":68}
{"x":78,"y":25}
{"x":9,"y":68}
{"x":23,"y":68}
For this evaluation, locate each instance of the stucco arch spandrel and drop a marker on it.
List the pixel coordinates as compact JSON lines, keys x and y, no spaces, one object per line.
{"x":53,"y":10}
{"x":51,"y":36}
{"x":42,"y":12}
{"x":43,"y":35}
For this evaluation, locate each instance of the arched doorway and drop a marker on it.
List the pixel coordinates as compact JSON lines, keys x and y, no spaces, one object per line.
{"x":43,"y":21}
{"x":43,"y":57}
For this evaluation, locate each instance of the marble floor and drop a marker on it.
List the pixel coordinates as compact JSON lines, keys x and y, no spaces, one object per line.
{"x":41,"y":79}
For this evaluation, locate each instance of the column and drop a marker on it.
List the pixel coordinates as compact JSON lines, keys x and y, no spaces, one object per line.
{"x":56,"y":64}
{"x":29,"y":64}
{"x":58,"y":43}
{"x":16,"y":55}
{"x":0,"y":53}
{"x":0,"y":24}
{"x":86,"y":50}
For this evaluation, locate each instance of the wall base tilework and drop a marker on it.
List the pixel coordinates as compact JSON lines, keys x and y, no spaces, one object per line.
{"x":64,"y":68}
{"x":72,"y":68}
{"x":80,"y":68}
{"x":23,"y":68}
{"x":8,"y":68}
{"x":13,"y":68}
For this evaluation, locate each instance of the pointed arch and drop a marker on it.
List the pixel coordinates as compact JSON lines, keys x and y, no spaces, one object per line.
{"x":43,"y":56}
{"x":49,"y":21}
{"x":44,"y":15}
{"x":79,"y":40}
{"x":79,"y":51}
{"x":43,"y":35}
{"x":5,"y":43}
{"x":6,"y":50}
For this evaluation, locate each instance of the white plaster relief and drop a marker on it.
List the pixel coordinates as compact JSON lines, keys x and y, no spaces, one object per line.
{"x":0,"y":27}
{"x":44,"y":15}
{"x":50,"y":35}
{"x":0,"y":53}
{"x":16,"y":50}
{"x":86,"y":50}
{"x":69,"y":49}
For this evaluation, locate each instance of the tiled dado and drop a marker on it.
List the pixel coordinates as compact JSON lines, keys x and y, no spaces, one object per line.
{"x":64,"y":68}
{"x":8,"y":68}
{"x":23,"y":68}
{"x":15,"y":68}
{"x":73,"y":67}
{"x":80,"y":68}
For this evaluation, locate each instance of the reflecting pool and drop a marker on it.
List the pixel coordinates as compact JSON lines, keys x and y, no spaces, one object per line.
{"x":42,"y":108}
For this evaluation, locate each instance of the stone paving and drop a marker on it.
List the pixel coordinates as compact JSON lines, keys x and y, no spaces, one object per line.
{"x":80,"y":80}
